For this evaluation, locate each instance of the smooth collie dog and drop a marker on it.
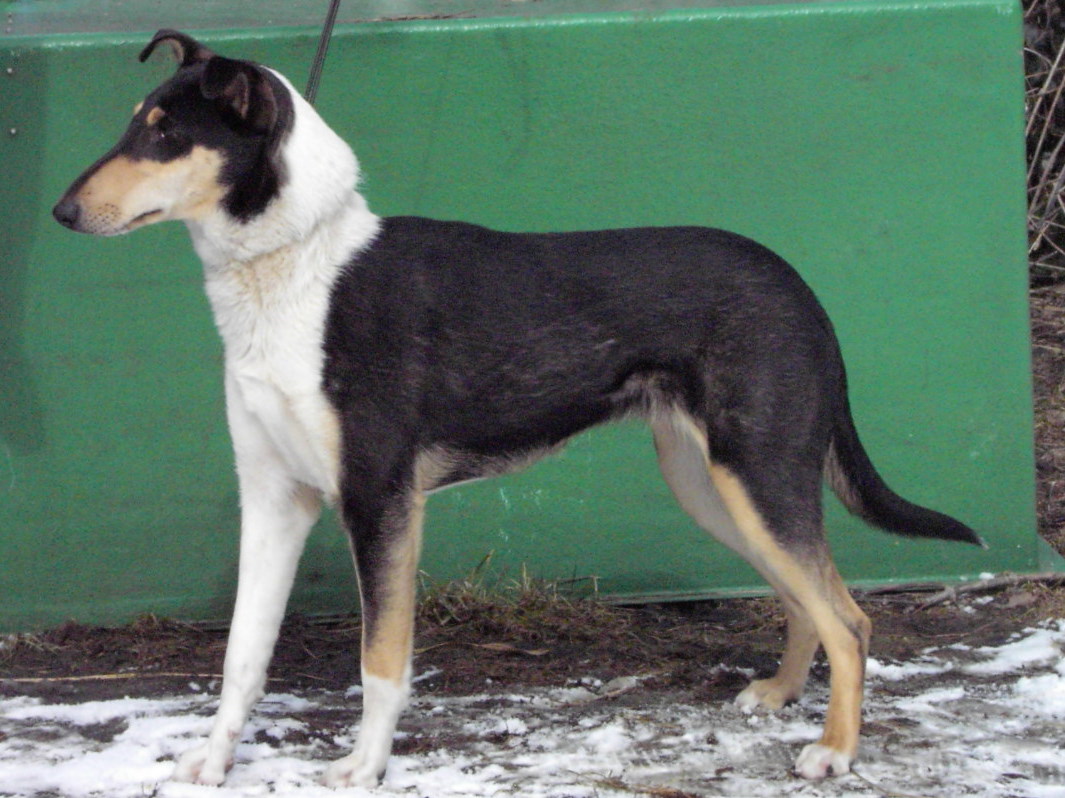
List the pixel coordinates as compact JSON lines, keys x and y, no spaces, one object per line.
{"x":370,"y":361}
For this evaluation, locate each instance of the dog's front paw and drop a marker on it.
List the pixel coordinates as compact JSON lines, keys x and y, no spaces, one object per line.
{"x":354,"y":770}
{"x":201,"y":766}
{"x":817,"y":761}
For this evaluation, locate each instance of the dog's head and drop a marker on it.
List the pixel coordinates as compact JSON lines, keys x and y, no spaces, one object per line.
{"x":206,"y":140}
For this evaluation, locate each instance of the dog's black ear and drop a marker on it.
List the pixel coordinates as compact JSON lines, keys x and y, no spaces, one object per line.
{"x":187,"y":51}
{"x":244,"y":89}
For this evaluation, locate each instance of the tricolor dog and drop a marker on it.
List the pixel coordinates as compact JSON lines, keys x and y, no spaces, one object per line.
{"x":370,"y":361}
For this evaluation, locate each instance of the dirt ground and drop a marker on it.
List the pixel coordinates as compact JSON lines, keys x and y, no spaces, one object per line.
{"x":531,"y":647}
{"x":676,"y":652}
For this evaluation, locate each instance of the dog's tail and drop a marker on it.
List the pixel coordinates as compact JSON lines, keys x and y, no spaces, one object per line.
{"x":854,"y":479}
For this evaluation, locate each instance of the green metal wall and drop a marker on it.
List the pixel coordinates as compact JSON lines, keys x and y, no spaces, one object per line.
{"x":876,"y":145}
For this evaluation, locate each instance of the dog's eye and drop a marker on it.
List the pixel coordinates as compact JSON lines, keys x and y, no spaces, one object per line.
{"x":162,"y":138}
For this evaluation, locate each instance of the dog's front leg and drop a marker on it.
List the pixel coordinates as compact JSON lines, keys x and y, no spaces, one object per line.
{"x":386,"y":544}
{"x":277,"y":513}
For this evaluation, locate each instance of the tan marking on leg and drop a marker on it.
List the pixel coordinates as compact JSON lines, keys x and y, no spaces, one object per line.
{"x":790,"y":679}
{"x":811,"y":581}
{"x":799,"y":651}
{"x":683,"y":449}
{"x":386,"y":654}
{"x":847,"y":648}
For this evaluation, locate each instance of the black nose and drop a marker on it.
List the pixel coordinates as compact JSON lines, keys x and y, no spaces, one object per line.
{"x":66,"y":212}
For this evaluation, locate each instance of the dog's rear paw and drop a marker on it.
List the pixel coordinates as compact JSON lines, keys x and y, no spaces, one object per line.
{"x":353,"y":771}
{"x":818,"y":761}
{"x":768,"y":694}
{"x":198,"y":766}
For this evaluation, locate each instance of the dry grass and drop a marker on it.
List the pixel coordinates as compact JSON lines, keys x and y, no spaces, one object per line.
{"x":1044,"y":53}
{"x":1048,"y":367}
{"x":522,"y":609}
{"x":1045,"y":66}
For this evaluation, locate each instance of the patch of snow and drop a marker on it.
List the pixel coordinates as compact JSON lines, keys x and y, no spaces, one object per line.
{"x":610,"y":738}
{"x":927,"y":701}
{"x":992,"y":726}
{"x":1044,"y":694}
{"x":90,"y":712}
{"x":891,"y":672}
{"x":1034,"y":647}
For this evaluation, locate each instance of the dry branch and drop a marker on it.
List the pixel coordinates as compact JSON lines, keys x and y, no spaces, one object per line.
{"x":1044,"y":53}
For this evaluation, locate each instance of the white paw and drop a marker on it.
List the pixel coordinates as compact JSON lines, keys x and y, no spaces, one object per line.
{"x":354,"y":771}
{"x":748,"y":700}
{"x":765,"y":694}
{"x":817,"y":761}
{"x":198,"y":766}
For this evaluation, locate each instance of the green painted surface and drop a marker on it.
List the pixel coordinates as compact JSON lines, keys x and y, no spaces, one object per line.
{"x":876,"y":145}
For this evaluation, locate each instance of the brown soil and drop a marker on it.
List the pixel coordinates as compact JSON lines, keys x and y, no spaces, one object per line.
{"x":679,"y":643}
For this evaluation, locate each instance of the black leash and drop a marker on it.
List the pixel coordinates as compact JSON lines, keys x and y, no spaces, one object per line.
{"x":323,"y":48}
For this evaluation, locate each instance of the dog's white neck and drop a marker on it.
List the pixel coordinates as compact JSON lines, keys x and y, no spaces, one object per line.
{"x":270,"y":282}
{"x":318,"y":204}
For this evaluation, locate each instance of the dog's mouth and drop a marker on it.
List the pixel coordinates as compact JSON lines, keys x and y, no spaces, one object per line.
{"x":104,"y":229}
{"x":145,"y":218}
{"x":102,"y":220}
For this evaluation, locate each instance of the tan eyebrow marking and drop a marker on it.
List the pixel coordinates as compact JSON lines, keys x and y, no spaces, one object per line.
{"x":155,"y":115}
{"x":137,"y":107}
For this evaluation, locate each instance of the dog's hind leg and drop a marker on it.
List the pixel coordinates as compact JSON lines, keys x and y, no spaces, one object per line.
{"x":683,"y":458}
{"x":277,"y":513}
{"x":795,"y":561}
{"x":793,"y":557}
{"x":386,"y":541}
{"x":790,"y":679}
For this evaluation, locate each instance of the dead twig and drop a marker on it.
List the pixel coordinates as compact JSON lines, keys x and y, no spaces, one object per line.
{"x":103,"y":677}
{"x":1044,"y":54}
{"x":499,"y":648}
{"x":952,"y":592}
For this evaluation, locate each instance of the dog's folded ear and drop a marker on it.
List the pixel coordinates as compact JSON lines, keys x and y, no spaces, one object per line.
{"x":187,"y":51}
{"x":244,"y":89}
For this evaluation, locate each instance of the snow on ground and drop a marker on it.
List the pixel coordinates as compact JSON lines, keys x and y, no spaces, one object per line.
{"x":986,"y":722}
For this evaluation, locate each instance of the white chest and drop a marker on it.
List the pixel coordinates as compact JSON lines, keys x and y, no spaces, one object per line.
{"x":271,"y":317}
